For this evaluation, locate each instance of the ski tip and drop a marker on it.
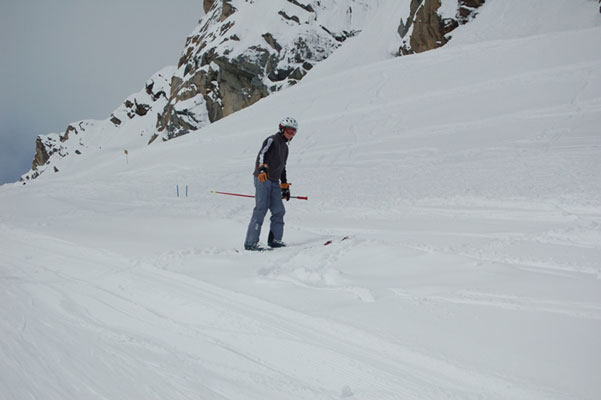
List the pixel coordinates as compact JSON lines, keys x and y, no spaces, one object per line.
{"x":332,"y":240}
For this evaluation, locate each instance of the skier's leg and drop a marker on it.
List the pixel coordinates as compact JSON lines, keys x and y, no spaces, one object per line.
{"x":277,"y":212}
{"x":262,"y":198}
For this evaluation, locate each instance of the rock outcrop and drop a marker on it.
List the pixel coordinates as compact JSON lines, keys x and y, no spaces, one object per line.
{"x":227,"y":66}
{"x":83,"y":135}
{"x":153,"y":97}
{"x":52,"y":146}
{"x":426,"y":29}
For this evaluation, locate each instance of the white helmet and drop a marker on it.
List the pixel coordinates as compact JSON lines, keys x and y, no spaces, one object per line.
{"x":288,"y":122}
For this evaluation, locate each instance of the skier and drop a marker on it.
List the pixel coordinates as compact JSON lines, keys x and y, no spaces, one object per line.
{"x":270,"y":170}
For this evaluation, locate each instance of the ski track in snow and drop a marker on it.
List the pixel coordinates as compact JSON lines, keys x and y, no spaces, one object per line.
{"x":188,"y":318}
{"x":575,"y":309}
{"x":470,"y":193}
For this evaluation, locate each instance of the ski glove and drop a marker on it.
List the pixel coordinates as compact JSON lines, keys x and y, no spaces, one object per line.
{"x":285,"y":191}
{"x":263,"y":173}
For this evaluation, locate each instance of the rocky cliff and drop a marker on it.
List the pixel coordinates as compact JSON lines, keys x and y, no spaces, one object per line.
{"x":240,"y":52}
{"x":127,"y":123}
{"x":427,"y":27}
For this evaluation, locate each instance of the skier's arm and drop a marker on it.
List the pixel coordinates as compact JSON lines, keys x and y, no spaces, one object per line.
{"x":283,"y":178}
{"x":266,"y":145}
{"x":263,"y":174}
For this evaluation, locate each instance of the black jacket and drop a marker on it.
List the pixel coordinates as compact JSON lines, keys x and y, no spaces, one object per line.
{"x":274,"y":153}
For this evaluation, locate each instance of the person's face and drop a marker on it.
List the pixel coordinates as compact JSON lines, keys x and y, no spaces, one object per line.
{"x":289,"y":133}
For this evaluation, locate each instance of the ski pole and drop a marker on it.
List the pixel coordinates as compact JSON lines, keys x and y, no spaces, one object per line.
{"x":252,"y":197}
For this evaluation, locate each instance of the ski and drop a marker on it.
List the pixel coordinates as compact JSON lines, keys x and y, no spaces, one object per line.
{"x":333,"y":240}
{"x":327,"y":243}
{"x":263,"y":250}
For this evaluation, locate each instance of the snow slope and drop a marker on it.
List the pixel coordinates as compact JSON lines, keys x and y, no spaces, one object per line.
{"x":468,"y":181}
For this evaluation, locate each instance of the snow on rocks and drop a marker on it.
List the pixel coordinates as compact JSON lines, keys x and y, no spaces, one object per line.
{"x":254,"y":49}
{"x":240,"y":53}
{"x":130,"y":126}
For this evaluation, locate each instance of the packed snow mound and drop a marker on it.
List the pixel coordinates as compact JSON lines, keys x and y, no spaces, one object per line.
{"x":506,"y":20}
{"x":379,"y":40}
{"x":496,"y":20}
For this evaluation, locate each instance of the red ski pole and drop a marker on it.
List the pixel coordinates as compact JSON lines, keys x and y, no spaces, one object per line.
{"x":252,"y":197}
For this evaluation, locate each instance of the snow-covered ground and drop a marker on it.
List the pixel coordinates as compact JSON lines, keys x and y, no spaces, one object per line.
{"x":468,"y":180}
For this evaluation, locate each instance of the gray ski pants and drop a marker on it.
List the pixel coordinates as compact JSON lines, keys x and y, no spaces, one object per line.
{"x":268,"y":196}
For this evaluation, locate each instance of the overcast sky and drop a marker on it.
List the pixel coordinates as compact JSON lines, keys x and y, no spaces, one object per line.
{"x":62,"y":61}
